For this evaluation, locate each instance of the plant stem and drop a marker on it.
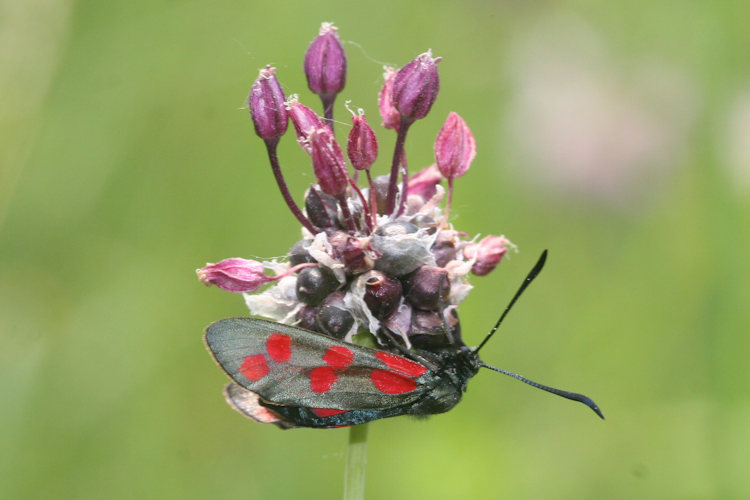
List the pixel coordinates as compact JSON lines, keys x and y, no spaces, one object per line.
{"x":274,"y":159}
{"x":397,"y":153}
{"x":356,"y":463}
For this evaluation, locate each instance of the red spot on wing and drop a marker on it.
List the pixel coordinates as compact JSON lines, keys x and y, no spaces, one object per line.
{"x":254,"y":367}
{"x":327,"y":412}
{"x":400,"y":365}
{"x":392,"y":383}
{"x":322,"y":379}
{"x":338,"y":357}
{"x":279,"y":347}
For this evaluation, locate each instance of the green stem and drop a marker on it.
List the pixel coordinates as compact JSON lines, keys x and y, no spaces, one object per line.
{"x":356,"y":463}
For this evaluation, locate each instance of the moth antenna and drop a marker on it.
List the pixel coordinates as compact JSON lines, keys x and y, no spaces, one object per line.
{"x":526,"y":282}
{"x":565,"y":394}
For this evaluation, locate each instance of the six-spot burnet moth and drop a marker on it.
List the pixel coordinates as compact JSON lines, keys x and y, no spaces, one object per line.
{"x":293,"y":377}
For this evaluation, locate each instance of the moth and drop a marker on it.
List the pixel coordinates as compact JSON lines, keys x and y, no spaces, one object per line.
{"x":293,"y":377}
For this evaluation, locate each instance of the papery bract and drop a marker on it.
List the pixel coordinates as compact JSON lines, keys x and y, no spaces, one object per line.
{"x":388,"y":113}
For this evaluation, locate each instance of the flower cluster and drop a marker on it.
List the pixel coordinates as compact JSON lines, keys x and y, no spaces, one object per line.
{"x":380,"y":260}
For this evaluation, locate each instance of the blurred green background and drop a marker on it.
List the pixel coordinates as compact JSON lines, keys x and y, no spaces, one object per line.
{"x":615,"y":134}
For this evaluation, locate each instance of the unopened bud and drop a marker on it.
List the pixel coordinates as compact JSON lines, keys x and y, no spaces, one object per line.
{"x":416,"y":87}
{"x":427,"y":286}
{"x":298,"y":254}
{"x":325,"y":62}
{"x":234,"y":275}
{"x":314,"y":284}
{"x":333,"y":318}
{"x":488,"y":253}
{"x":305,"y":121}
{"x":328,"y":162}
{"x":321,"y":209}
{"x":382,"y":293}
{"x":455,"y":147}
{"x":362,"y":145}
{"x":266,"y":103}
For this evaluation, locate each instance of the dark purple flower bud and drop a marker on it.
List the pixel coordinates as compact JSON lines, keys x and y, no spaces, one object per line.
{"x":428,"y":331}
{"x":266,"y":103}
{"x":325,"y":62}
{"x":401,"y":251}
{"x":444,"y":252}
{"x":488,"y":253}
{"x":305,"y":121}
{"x":333,"y":318}
{"x":234,"y":275}
{"x":351,"y":252}
{"x":426,"y":286}
{"x":321,"y":209}
{"x":382,"y":293}
{"x":328,"y":162}
{"x":306,"y":318}
{"x":416,"y":87}
{"x":455,"y":147}
{"x":424,"y":182}
{"x":298,"y":254}
{"x":362,"y":146}
{"x":314,"y":284}
{"x":389,"y":114}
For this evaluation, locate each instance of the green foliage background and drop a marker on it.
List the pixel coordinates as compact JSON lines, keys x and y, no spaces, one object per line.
{"x":128,"y":160}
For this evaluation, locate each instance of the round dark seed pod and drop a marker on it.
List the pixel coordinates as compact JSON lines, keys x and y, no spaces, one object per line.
{"x":306,"y":318}
{"x":382,"y":293}
{"x":298,"y":255}
{"x":444,"y":252}
{"x":333,"y":318}
{"x":314,"y":284}
{"x":423,"y":287}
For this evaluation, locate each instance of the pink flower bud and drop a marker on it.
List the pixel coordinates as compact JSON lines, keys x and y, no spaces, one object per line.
{"x":234,"y":275}
{"x":424,"y":182}
{"x":455,"y":147}
{"x":362,"y":146}
{"x":305,"y":120}
{"x":266,"y":103}
{"x":488,"y":253}
{"x":325,"y":62}
{"x":328,"y":162}
{"x":390,"y":115}
{"x":416,"y":86}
